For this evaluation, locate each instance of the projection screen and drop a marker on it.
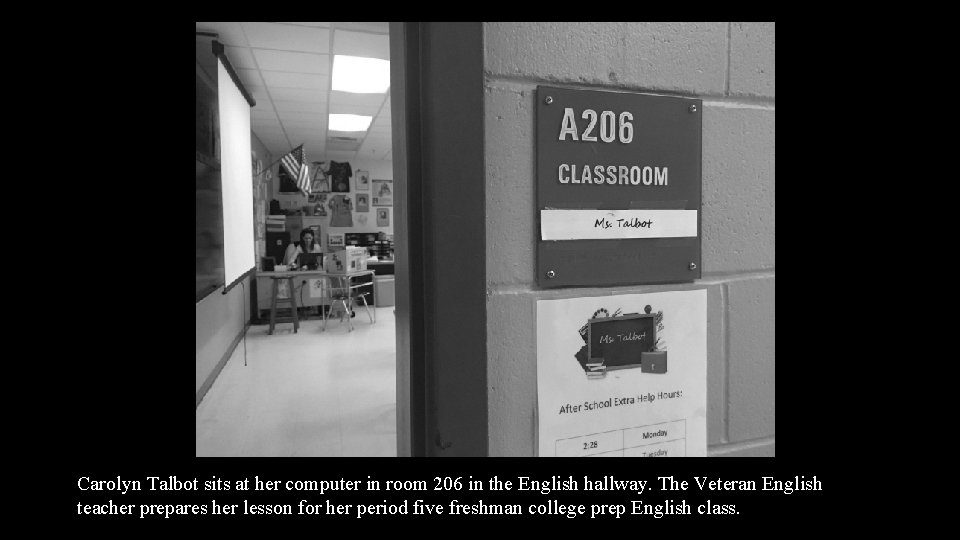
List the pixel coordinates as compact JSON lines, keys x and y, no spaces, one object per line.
{"x":236,"y":178}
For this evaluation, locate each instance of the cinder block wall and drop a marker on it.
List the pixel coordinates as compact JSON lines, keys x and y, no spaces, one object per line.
{"x":731,"y":67}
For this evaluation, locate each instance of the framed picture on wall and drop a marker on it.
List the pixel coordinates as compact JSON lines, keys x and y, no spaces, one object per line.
{"x":382,"y":192}
{"x":383,"y":217}
{"x":363,"y":202}
{"x":363,"y":180}
{"x":335,"y":240}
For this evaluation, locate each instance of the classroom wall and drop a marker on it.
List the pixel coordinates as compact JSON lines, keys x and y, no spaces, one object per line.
{"x":379,"y":170}
{"x":731,"y":67}
{"x":220,"y":317}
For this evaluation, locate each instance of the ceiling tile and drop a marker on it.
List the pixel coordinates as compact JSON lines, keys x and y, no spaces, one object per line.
{"x":334,"y":144}
{"x":350,"y":134}
{"x":249,"y":77}
{"x":271,"y":138}
{"x":296,"y":62}
{"x":320,"y":24}
{"x":380,"y":27}
{"x":339,"y":155}
{"x":304,"y":125}
{"x":283,"y":106}
{"x":262,"y":110}
{"x":380,"y":123}
{"x":270,"y":132}
{"x":230,"y":33}
{"x":265,"y":123}
{"x":259,"y":93}
{"x":347,"y":103}
{"x":315,"y":151}
{"x":361,"y":44}
{"x":303,"y":116}
{"x":240,"y":57}
{"x":282,"y":79}
{"x":299,"y":135}
{"x":287,"y":37}
{"x":352,"y":109}
{"x":298,"y":94}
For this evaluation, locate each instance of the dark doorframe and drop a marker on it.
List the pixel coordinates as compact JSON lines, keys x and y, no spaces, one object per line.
{"x":440,"y":237}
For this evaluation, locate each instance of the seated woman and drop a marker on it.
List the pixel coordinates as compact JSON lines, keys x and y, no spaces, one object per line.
{"x":296,"y":248}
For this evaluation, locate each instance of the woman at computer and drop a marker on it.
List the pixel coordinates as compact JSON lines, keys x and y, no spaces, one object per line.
{"x":296,"y":248}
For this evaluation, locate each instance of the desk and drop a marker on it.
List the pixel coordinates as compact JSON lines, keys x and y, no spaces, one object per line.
{"x":318,"y":290}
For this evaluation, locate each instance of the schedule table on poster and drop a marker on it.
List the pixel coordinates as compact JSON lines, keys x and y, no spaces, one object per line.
{"x":665,"y":439}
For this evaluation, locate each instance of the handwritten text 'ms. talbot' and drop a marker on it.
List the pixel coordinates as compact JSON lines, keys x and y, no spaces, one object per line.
{"x":632,"y":336}
{"x":635,"y":222}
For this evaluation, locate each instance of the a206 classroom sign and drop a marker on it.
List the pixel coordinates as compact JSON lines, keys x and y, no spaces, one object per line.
{"x":618,"y":188}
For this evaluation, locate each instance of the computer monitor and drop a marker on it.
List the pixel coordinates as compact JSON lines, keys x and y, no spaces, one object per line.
{"x":310,"y":260}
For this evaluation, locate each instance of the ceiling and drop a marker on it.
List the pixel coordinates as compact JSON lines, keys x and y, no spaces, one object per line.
{"x":286,"y":67}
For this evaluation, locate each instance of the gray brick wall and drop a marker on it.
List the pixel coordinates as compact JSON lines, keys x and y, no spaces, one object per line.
{"x":731,"y":67}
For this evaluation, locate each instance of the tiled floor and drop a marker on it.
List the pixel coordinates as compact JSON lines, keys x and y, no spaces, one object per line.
{"x":313,"y":393}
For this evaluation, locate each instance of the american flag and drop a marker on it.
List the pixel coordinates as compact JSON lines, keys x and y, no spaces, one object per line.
{"x":295,"y":164}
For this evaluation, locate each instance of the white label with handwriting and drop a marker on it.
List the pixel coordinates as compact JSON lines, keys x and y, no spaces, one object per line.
{"x":616,"y":224}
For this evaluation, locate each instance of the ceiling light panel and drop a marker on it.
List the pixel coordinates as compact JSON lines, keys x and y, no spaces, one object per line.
{"x":360,"y":75}
{"x":349,"y":122}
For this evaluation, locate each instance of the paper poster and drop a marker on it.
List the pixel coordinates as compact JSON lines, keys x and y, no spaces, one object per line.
{"x":316,"y":287}
{"x":383,"y":217}
{"x":363,"y":202}
{"x":382,"y":192}
{"x":623,"y":375}
{"x":363,"y":181}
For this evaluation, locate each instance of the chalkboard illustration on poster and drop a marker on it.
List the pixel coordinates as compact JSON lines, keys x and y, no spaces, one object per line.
{"x":622,"y":341}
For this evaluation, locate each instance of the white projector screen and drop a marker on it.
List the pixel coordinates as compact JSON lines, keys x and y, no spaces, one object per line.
{"x":236,"y":177}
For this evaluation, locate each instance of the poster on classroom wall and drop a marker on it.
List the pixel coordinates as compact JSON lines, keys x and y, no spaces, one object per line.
{"x":363,"y":180}
{"x":383,"y":217}
{"x":623,"y":375}
{"x":382,"y":192}
{"x":363,"y":202}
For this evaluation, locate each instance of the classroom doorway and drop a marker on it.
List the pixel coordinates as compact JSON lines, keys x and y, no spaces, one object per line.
{"x":320,"y":380}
